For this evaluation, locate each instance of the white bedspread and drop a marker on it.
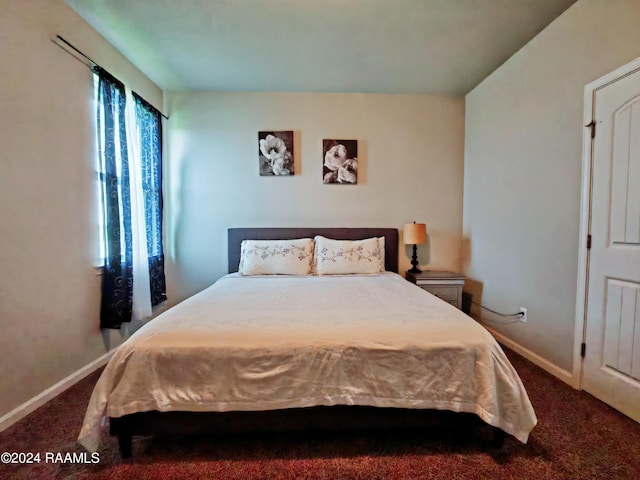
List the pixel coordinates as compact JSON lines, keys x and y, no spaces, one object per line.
{"x":264,"y":343}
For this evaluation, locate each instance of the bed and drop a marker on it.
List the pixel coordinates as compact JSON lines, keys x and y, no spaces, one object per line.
{"x":272,"y":352}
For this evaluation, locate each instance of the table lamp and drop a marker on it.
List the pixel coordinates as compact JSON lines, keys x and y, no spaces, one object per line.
{"x":415,"y":234}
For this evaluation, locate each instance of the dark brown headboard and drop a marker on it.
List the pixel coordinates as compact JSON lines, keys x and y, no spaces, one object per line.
{"x":237,"y":235}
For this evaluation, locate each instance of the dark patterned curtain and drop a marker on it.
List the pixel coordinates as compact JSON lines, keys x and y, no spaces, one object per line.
{"x":150,"y":128}
{"x":117,"y":279}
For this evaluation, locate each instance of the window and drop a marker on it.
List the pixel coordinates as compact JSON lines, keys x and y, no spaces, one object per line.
{"x":129,"y":166}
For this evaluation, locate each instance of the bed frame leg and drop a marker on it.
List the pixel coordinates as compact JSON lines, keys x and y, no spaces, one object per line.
{"x":498,"y":438}
{"x":124,"y":442}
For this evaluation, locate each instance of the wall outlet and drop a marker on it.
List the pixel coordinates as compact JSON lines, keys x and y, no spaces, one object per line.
{"x":523,"y":317}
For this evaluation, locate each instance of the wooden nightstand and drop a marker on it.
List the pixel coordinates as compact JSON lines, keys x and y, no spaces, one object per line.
{"x":445,"y":285}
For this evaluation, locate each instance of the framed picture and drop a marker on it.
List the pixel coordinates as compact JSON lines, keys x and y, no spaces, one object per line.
{"x":275,"y":152}
{"x":340,"y":161}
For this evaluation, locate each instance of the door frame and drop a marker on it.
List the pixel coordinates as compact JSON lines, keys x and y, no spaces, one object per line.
{"x":585,"y":212}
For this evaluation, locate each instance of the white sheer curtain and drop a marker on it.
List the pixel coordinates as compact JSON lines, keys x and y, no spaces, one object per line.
{"x":141,"y":308}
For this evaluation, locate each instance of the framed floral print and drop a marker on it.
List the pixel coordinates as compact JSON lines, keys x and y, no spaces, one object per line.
{"x":340,"y":159}
{"x":275,"y":152}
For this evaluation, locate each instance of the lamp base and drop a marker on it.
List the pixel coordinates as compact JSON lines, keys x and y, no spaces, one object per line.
{"x":414,"y":261}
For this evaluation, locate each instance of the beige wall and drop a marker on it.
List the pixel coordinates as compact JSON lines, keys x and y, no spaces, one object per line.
{"x":522,"y":171}
{"x":49,"y":291}
{"x":410,"y":168}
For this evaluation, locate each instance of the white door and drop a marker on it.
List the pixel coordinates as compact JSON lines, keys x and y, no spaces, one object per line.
{"x":612,"y":361}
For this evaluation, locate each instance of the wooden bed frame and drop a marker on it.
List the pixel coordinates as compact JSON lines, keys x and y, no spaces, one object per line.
{"x":297,"y":419}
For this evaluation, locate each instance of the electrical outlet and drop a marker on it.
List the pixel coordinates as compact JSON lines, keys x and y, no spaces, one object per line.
{"x":523,"y":317}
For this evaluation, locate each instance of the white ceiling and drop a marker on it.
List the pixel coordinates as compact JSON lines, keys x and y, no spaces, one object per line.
{"x":364,"y":46}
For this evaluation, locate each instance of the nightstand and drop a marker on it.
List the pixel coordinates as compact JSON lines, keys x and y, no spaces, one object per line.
{"x":445,"y":285}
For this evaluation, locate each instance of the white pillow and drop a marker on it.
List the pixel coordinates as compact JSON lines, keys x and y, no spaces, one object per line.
{"x":340,"y":257}
{"x":276,"y":257}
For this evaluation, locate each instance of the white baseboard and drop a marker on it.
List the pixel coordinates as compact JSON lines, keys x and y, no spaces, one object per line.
{"x":29,"y":406}
{"x":560,"y":373}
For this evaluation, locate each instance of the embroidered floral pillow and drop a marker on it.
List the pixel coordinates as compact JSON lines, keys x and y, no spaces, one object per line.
{"x":340,"y":257}
{"x":276,"y":257}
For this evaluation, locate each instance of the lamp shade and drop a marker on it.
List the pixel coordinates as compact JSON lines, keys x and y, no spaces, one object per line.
{"x":415,"y":233}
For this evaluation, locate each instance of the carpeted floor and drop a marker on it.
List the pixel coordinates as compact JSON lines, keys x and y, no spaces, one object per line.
{"x":577,"y":437}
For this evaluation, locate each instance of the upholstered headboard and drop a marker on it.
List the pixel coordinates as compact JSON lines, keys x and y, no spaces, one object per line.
{"x":237,"y":235}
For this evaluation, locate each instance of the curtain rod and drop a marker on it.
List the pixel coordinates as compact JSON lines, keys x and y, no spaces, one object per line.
{"x":94,"y":64}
